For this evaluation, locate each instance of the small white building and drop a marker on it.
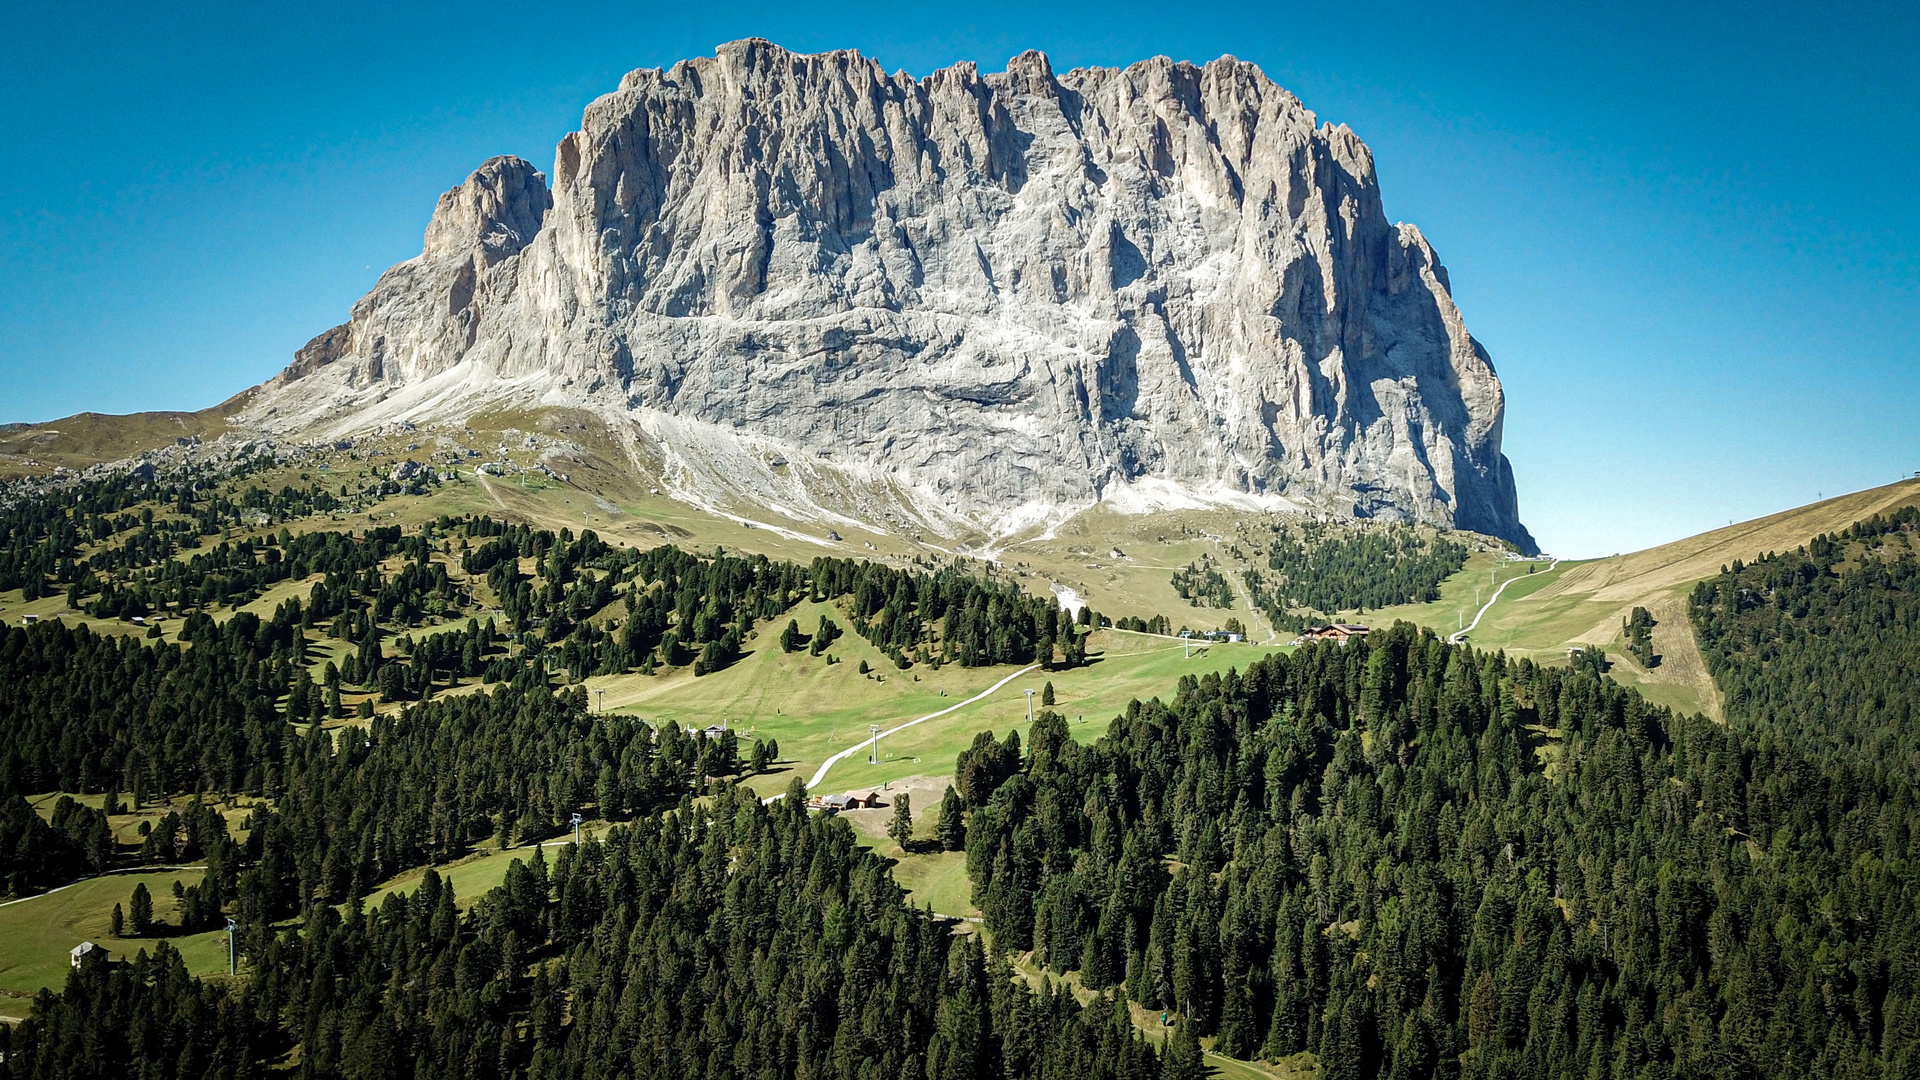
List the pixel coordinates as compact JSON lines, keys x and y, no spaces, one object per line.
{"x":82,"y":951}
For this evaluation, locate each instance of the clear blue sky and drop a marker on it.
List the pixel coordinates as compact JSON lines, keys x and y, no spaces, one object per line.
{"x":1688,"y":234}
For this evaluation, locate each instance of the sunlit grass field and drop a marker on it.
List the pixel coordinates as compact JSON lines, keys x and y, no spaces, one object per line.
{"x":815,"y":710}
{"x":37,"y":934}
{"x":1545,"y":613}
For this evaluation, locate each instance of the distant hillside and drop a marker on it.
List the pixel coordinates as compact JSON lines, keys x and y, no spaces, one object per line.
{"x":1583,"y":603}
{"x":91,"y":438}
{"x":559,"y":467}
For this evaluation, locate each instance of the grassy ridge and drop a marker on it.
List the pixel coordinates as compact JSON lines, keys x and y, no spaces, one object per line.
{"x":1583,"y":603}
{"x":87,"y":438}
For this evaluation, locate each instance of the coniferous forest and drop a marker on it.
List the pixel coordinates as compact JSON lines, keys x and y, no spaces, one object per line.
{"x":1401,"y":857}
{"x":222,"y":711}
{"x":735,"y":939}
{"x":1412,"y":860}
{"x":1821,"y":647}
{"x":1323,"y":569}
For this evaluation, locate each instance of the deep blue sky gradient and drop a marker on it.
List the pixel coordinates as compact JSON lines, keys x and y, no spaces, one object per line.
{"x":1688,"y":234}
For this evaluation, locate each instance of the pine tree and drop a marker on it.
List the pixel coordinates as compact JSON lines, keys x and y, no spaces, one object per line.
{"x":140,"y":910}
{"x":1046,"y":694}
{"x":368,"y":659}
{"x":1184,"y":1059}
{"x":901,"y":827}
{"x":952,"y":828}
{"x":392,"y":680}
{"x":823,"y":636}
{"x":1638,"y":628}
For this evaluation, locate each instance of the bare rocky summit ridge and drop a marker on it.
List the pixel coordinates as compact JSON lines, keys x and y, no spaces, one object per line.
{"x":975,"y":302}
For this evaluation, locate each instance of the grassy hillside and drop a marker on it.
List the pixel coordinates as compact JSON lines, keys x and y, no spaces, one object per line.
{"x":87,"y":438}
{"x":816,"y":710}
{"x":37,"y":933}
{"x":1121,"y":564}
{"x":1583,"y":603}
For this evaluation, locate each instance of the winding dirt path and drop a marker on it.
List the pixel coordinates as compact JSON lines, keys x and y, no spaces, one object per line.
{"x":1460,"y":635}
{"x":821,"y":774}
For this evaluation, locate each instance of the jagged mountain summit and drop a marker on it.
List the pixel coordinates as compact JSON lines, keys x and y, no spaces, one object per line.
{"x":979,"y":303}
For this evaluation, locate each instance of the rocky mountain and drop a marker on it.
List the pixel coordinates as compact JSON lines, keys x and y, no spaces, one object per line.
{"x":976,"y":302}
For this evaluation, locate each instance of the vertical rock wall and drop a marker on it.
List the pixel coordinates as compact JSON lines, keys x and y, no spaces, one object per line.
{"x":1005,"y":297}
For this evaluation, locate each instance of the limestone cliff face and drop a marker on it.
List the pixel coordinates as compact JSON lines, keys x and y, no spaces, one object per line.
{"x":984,"y":300}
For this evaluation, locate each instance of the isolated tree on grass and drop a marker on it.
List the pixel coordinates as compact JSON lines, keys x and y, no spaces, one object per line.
{"x":1639,"y":631}
{"x":392,"y":682}
{"x":368,"y":658}
{"x":1046,"y":694}
{"x":790,"y":637}
{"x":140,"y":910}
{"x":824,"y":636}
{"x":952,"y":829}
{"x":901,"y":827}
